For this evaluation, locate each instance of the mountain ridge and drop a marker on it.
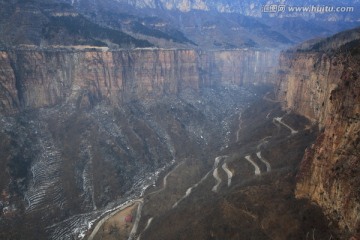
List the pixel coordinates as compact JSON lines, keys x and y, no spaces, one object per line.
{"x":246,"y":7}
{"x":119,"y":25}
{"x":100,"y":98}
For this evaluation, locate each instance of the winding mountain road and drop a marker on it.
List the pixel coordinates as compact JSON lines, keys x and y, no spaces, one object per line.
{"x":215,"y":174}
{"x":257,"y":169}
{"x":239,"y":128}
{"x":134,"y":229}
{"x":228,"y":172}
{"x":148,"y":223}
{"x":218,"y":180}
{"x":165,"y":180}
{"x":262,"y":142}
{"x":268,"y":166}
{"x":139,"y":210}
{"x":137,"y":219}
{"x":217,"y":161}
{"x":146,"y":227}
{"x":103,"y":220}
{"x":188,"y":191}
{"x":279,"y":120}
{"x":267,"y":98}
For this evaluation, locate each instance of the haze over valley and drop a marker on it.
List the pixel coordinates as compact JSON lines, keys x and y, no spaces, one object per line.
{"x":159,"y":119}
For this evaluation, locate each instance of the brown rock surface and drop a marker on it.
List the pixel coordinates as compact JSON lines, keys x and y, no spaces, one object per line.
{"x":325,"y":87}
{"x":9,"y":95}
{"x":38,"y":78}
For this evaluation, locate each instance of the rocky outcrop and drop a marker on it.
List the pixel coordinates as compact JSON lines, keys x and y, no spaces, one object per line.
{"x":38,"y":78}
{"x":306,"y":82}
{"x":324,"y":86}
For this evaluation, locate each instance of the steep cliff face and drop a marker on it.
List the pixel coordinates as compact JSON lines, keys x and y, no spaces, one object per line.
{"x":307,"y":80}
{"x":325,"y":86}
{"x":239,"y":67}
{"x":9,"y":98}
{"x":33,"y":79}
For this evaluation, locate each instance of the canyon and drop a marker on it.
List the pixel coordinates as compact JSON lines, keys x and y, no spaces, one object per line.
{"x":206,"y":129}
{"x":86,"y":131}
{"x":317,"y":92}
{"x":103,"y":125}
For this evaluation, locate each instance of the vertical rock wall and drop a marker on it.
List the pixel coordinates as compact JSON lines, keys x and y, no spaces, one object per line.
{"x":32,"y":79}
{"x":325,"y":87}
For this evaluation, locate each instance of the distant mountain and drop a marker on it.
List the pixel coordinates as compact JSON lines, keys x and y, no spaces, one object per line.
{"x":220,"y":24}
{"x":333,"y":43}
{"x":254,"y":8}
{"x":203,"y":24}
{"x":42,"y":24}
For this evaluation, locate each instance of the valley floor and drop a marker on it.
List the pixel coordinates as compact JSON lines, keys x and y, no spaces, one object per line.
{"x":244,"y":191}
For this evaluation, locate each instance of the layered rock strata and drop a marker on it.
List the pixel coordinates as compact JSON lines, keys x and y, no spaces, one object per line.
{"x":38,"y":78}
{"x":325,"y":87}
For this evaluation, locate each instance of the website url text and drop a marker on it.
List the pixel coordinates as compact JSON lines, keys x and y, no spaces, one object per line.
{"x":278,"y":8}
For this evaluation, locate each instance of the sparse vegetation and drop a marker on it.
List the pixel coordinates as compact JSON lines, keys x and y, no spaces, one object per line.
{"x":84,"y":32}
{"x":172,"y":35}
{"x":261,"y":207}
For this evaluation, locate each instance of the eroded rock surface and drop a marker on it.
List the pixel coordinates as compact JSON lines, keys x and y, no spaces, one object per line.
{"x":323,"y":84}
